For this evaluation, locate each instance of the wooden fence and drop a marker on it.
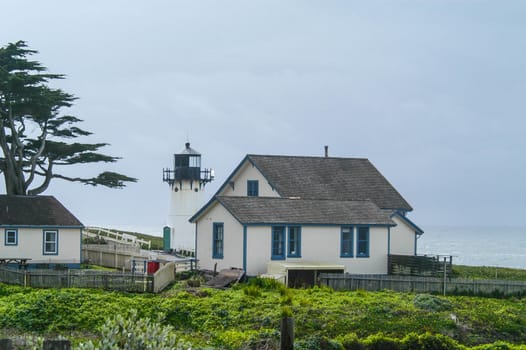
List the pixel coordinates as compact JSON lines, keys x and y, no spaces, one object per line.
{"x":78,"y":279}
{"x":111,"y":255}
{"x":419,"y":265}
{"x":423,"y":284}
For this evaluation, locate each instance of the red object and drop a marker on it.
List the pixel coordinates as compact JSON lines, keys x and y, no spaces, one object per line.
{"x":152,"y":267}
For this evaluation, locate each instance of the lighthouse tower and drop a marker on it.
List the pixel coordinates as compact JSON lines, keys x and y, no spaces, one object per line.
{"x":187,"y":181}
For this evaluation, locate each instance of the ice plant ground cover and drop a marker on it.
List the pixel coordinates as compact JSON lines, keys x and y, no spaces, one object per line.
{"x":248,"y":315}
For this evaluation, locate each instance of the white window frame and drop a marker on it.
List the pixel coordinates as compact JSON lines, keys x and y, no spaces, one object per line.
{"x":47,"y":241}
{"x":7,"y":232}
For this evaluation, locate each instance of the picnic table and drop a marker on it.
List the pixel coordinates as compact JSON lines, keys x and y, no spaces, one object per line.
{"x":22,"y":262}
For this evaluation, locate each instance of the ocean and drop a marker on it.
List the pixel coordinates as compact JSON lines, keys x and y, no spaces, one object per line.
{"x":498,"y":246}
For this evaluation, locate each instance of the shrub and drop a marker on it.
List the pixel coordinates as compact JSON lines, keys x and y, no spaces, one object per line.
{"x":252,"y":291}
{"x":134,"y":333}
{"x":430,"y":302}
{"x":318,"y":343}
{"x":497,"y":346}
{"x":286,"y":311}
{"x":381,"y":342}
{"x":266,"y":283}
{"x":428,"y":341}
{"x":350,"y":341}
{"x":193,"y":282}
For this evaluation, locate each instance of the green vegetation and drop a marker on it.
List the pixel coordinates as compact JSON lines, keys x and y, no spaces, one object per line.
{"x":489,"y":272}
{"x":134,"y":333}
{"x":248,"y":316}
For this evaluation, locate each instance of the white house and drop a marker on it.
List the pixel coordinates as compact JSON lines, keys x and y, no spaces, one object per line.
{"x":304,"y":213}
{"x":39,"y":230}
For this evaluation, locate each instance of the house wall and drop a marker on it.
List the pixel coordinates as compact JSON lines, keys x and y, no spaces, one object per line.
{"x":233,"y":240}
{"x":258,"y":249}
{"x":245,"y":173}
{"x":31,"y":241}
{"x":402,"y":238}
{"x":318,"y":244}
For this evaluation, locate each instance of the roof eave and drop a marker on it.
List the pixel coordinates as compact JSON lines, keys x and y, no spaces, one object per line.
{"x":41,"y":226}
{"x":404,"y":218}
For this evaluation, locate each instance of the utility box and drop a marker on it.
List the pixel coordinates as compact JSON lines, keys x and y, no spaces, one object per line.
{"x":152,"y":267}
{"x":167,"y":233}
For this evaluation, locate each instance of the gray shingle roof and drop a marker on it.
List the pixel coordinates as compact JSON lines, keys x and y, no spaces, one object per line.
{"x":35,"y":211}
{"x":268,"y":210}
{"x":345,"y":179}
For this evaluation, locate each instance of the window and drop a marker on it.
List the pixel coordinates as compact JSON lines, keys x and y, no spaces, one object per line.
{"x":294,"y":246}
{"x":252,"y":188}
{"x":218,"y":240}
{"x":278,"y":243}
{"x":346,"y":240}
{"x":195,"y":161}
{"x":363,"y":242}
{"x":50,"y":242}
{"x":11,"y":237}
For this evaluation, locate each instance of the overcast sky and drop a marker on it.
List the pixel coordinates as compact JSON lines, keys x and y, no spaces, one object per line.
{"x":432,"y":92}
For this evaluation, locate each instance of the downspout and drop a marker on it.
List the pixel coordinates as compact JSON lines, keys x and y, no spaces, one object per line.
{"x":388,"y":240}
{"x":80,"y":262}
{"x":388,"y":248}
{"x":417,"y":236}
{"x":195,"y":246}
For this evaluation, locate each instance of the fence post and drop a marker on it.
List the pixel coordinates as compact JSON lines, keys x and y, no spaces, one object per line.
{"x":287,"y":333}
{"x":445,"y":274}
{"x":115,"y":256}
{"x":57,"y":345}
{"x":6,"y":344}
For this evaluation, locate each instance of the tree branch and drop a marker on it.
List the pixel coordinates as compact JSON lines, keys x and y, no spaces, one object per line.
{"x":34,"y":158}
{"x":48,"y":175}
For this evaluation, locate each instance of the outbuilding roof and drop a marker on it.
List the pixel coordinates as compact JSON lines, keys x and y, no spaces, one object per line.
{"x":270,"y":210}
{"x":343,"y":179}
{"x":35,"y":211}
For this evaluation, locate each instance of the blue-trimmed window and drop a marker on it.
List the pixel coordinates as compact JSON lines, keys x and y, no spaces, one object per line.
{"x":218,"y":240}
{"x":252,"y":188}
{"x":11,"y":236}
{"x":294,"y":242}
{"x":50,"y":244}
{"x":346,"y":242}
{"x":278,"y":243}
{"x":362,"y":241}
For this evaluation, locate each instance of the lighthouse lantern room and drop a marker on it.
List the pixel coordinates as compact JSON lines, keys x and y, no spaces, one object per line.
{"x":187,"y":181}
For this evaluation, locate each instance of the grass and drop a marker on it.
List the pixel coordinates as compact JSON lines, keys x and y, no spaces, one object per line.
{"x":489,"y":272}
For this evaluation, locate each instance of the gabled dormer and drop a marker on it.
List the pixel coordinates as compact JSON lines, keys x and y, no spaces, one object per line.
{"x":247,"y":181}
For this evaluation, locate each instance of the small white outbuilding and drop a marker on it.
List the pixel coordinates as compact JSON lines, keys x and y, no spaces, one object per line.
{"x":39,"y":232}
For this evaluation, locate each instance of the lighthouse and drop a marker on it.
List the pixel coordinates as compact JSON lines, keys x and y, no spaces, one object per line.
{"x":187,"y":182}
